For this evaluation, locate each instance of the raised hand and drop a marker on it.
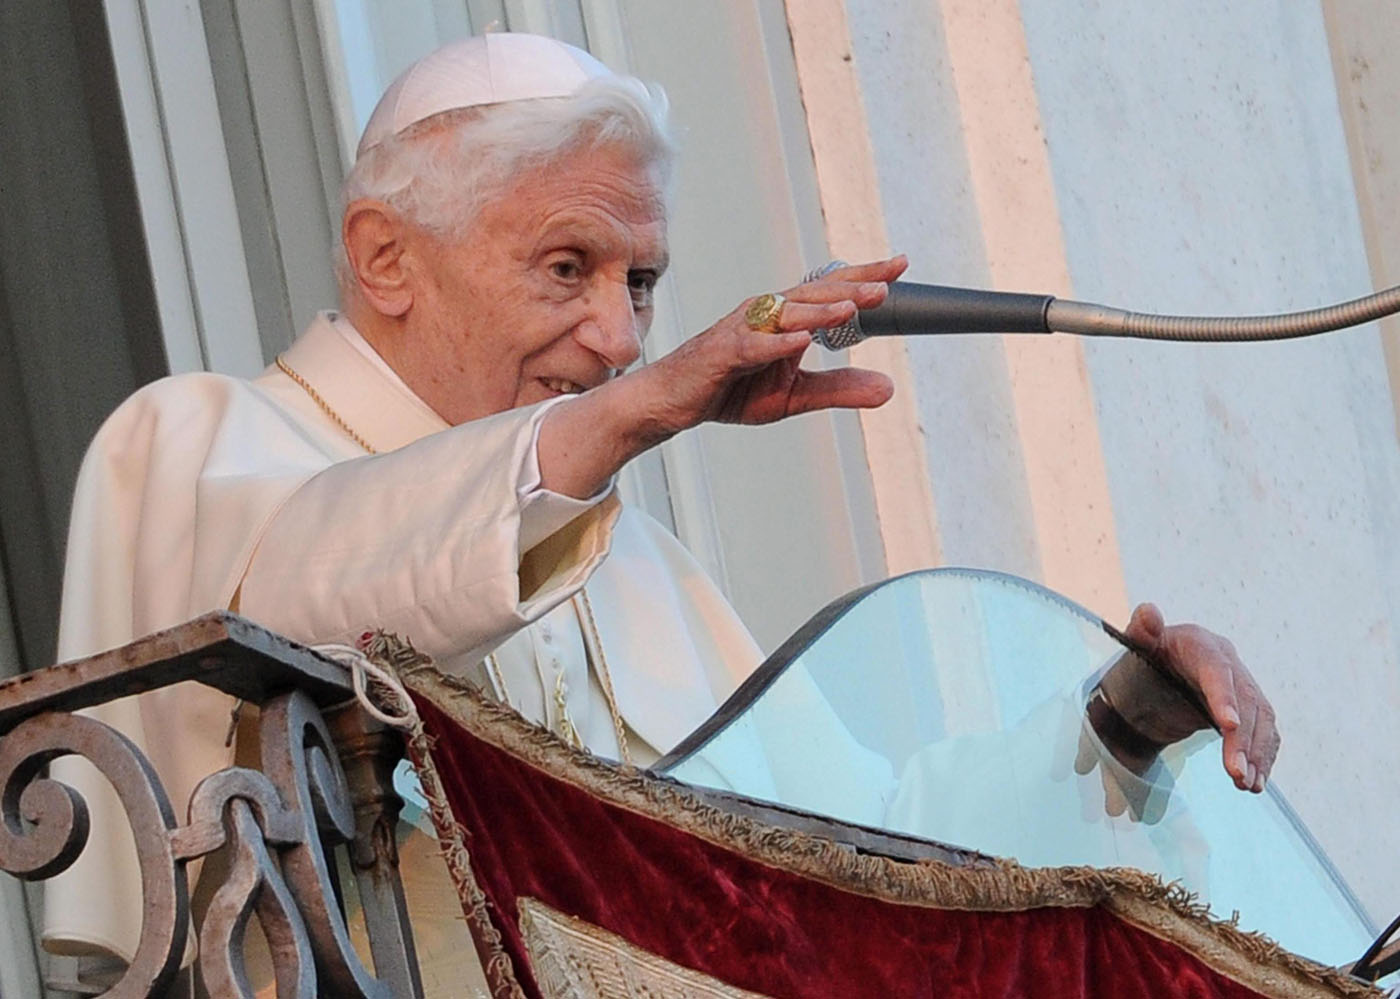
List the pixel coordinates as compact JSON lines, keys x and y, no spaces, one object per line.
{"x":730,"y":373}
{"x":733,"y":374}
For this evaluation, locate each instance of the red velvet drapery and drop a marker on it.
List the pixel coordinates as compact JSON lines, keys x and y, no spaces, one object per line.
{"x":715,"y":910}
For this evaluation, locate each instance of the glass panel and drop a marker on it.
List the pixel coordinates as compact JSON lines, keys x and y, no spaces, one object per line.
{"x":951,"y":705}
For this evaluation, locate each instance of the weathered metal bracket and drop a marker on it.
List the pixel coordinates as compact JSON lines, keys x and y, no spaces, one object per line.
{"x":322,"y":785}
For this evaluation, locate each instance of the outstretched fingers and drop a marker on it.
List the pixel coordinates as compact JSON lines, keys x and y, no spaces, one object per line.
{"x":840,"y":388}
{"x":864,"y":294}
{"x":808,"y":316}
{"x":876,"y":270}
{"x":1236,"y":726}
{"x":1261,"y":748}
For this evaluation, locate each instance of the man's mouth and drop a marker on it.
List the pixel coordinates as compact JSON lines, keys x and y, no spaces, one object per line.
{"x":562,"y":385}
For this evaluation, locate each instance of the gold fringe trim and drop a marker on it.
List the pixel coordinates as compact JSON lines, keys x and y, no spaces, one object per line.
{"x":388,"y":651}
{"x":1167,"y":911}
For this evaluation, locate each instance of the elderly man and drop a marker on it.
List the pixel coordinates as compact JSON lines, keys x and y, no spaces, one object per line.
{"x":438,"y":458}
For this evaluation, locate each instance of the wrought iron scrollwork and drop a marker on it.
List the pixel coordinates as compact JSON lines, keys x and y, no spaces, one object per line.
{"x":242,"y":809}
{"x":58,"y":831}
{"x":276,"y":826}
{"x":299,"y":756}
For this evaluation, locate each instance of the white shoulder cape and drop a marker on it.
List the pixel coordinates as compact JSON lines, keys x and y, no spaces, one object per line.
{"x":200,"y":485}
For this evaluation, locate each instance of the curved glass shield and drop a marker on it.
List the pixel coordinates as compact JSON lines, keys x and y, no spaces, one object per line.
{"x":955,"y":705}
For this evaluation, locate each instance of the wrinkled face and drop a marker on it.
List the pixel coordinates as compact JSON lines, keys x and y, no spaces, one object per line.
{"x":550,"y":291}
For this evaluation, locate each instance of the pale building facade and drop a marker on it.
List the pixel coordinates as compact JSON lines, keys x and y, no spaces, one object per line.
{"x":1197,"y":158}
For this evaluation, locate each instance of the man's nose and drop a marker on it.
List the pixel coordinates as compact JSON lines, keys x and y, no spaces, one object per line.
{"x":611,"y":330}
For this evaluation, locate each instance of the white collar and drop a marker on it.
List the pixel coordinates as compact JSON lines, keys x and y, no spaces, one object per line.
{"x":359,"y":386}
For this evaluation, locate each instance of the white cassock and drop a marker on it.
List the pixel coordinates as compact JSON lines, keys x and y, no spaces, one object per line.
{"x":204,"y":492}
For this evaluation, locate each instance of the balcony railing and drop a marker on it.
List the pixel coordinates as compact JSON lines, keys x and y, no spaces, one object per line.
{"x":326,"y":781}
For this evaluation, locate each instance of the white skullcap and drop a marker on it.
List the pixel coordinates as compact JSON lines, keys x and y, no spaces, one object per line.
{"x":487,"y":69}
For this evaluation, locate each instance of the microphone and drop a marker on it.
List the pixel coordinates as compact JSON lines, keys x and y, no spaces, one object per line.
{"x":923,"y":309}
{"x":920,"y":309}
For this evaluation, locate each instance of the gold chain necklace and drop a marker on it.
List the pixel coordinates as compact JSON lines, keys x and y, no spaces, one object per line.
{"x":593,"y":651}
{"x":583,"y":610}
{"x":286,"y":369}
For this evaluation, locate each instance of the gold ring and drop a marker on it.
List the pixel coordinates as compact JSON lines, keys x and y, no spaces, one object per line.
{"x":765,"y":313}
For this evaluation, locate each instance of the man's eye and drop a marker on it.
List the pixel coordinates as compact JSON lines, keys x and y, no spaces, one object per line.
{"x":566,"y":270}
{"x":641,"y":284}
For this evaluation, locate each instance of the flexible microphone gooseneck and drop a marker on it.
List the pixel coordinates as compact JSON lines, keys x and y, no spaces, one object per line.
{"x":925,"y":309}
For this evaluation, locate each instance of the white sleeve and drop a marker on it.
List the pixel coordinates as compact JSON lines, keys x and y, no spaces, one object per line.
{"x":450,"y":542}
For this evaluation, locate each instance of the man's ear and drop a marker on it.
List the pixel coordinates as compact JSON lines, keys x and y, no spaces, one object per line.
{"x":375,"y":239}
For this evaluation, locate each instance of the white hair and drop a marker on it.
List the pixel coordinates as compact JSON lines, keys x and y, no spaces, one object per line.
{"x":439,"y":172}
